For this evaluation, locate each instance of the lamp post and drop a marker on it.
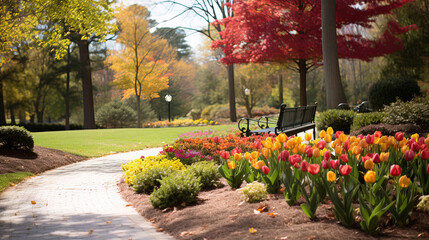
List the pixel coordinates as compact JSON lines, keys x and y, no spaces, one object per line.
{"x":248,"y":101}
{"x":168,"y":98}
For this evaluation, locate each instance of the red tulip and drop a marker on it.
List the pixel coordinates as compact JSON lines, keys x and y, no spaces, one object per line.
{"x":265,"y":170}
{"x":421,"y":140}
{"x":283,"y":156}
{"x":346,"y":145}
{"x":321,"y":144}
{"x":364,"y":159}
{"x":257,"y":145}
{"x":376,"y":158}
{"x":327,"y":155}
{"x":216,"y":139}
{"x":399,"y":136}
{"x":309,"y":152}
{"x":296,"y":165}
{"x":369,"y":139}
{"x":334,"y":164}
{"x":325,"y":164}
{"x":409,"y":155}
{"x":294,"y":159}
{"x":377,"y":134}
{"x":344,"y":158}
{"x":395,"y":170}
{"x":235,"y":150}
{"x":345,"y":170}
{"x":424,"y":154}
{"x":415,"y":147}
{"x":314,"y":169}
{"x":304,"y":166}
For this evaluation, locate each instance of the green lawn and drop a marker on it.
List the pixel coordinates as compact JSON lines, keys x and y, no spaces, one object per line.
{"x":7,"y":178}
{"x":99,"y":142}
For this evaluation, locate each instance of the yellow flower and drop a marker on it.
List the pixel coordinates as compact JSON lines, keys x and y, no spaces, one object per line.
{"x":356,"y":150}
{"x":258,"y":164}
{"x":316,"y":152}
{"x":238,"y":156}
{"x":307,"y":137}
{"x":266,"y":152}
{"x":383,"y":146}
{"x":330,"y":131}
{"x":404,"y":182}
{"x":276,"y":146}
{"x":331,"y":176}
{"x":301,"y":148}
{"x":267,"y":143}
{"x":370,"y":176}
{"x":415,"y":136}
{"x":384,"y":156}
{"x":343,"y":137}
{"x":281,"y":137}
{"x":247,"y":155}
{"x":404,"y":148}
{"x":290,"y":143}
{"x":327,"y":138}
{"x":254,"y":155}
{"x":338,"y":150}
{"x":322,"y":134}
{"x":369,"y":164}
{"x":231,"y":165}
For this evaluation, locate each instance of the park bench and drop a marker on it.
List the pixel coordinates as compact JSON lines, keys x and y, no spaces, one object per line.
{"x":291,"y":120}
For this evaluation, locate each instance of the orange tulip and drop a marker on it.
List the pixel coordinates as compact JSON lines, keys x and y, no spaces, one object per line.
{"x":307,"y":136}
{"x":384,"y":156}
{"x":276,"y":146}
{"x":282,"y":137}
{"x":247,"y":156}
{"x":254,"y":155}
{"x":404,"y":182}
{"x":338,"y":150}
{"x":369,"y":164}
{"x":327,"y":138}
{"x":331,"y":176}
{"x":322,"y":134}
{"x":343,"y":137}
{"x":266,"y":152}
{"x":316,"y":152}
{"x":238,"y":156}
{"x":231,"y":165}
{"x":370,"y":176}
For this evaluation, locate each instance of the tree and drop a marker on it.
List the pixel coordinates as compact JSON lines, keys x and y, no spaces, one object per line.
{"x":142,"y":63}
{"x":176,"y":39}
{"x":280,"y":31}
{"x":209,"y":11}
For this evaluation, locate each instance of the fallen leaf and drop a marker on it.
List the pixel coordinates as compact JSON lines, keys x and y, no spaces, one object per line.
{"x":311,"y":237}
{"x":160,"y":230}
{"x":16,"y":214}
{"x":252,"y":230}
{"x":205,"y":226}
{"x":182,"y":234}
{"x":263,"y":207}
{"x":283,"y":238}
{"x":282,"y":189}
{"x":33,"y":202}
{"x":91,"y":231}
{"x":421,"y":235}
{"x":12,"y":184}
{"x":256,"y":211}
{"x":108,"y":222}
{"x":128,"y":205}
{"x":272,"y":214}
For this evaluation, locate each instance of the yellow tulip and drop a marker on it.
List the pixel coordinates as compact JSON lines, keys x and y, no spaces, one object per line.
{"x":316,"y":152}
{"x":254,"y":155}
{"x":322,"y":134}
{"x":276,"y":146}
{"x":327,"y":138}
{"x":338,"y":150}
{"x":238,"y":156}
{"x":404,"y":182}
{"x":343,"y":137}
{"x":290,"y":143}
{"x":301,"y":148}
{"x":267,"y":143}
{"x":383,"y":147}
{"x":307,"y":137}
{"x":370,"y":176}
{"x":247,"y":156}
{"x":356,"y":150}
{"x":258,"y":164}
{"x":369,"y":164}
{"x":266,"y":152}
{"x":331,"y":176}
{"x":282,"y":137}
{"x":404,"y":148}
{"x":231,"y":165}
{"x":384,"y":156}
{"x":415,"y":136}
{"x":330,"y":131}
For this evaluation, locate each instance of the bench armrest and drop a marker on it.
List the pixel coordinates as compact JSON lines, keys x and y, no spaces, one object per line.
{"x":244,"y":125}
{"x":264,"y":122}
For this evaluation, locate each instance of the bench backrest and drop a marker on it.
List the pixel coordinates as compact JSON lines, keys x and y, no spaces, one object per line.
{"x":295,"y":116}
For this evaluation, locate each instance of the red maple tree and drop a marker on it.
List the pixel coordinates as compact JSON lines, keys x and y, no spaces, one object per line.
{"x":284,"y":30}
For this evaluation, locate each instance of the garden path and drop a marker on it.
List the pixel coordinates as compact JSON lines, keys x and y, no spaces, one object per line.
{"x":77,"y":201}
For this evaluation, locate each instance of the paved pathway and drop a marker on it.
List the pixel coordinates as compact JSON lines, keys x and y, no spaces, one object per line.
{"x":78,"y":201}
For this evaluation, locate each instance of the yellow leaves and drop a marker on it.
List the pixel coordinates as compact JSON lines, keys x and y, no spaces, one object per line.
{"x":33,"y":202}
{"x":252,"y":230}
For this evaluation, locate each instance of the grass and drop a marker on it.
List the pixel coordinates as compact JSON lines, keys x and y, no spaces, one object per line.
{"x":99,"y":142}
{"x":11,"y":178}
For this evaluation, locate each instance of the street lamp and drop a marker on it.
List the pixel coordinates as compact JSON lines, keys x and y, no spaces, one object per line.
{"x":168,"y":98}
{"x":247,"y":92}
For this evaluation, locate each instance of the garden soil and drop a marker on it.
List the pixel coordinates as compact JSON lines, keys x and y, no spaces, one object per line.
{"x":221,"y":214}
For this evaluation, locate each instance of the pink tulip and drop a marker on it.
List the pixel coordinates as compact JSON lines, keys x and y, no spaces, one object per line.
{"x":283,"y":156}
{"x":304,"y":166}
{"x":325,"y":164}
{"x":376,"y":158}
{"x":345,"y":170}
{"x":395,"y":170}
{"x":344,"y":158}
{"x":327,"y":155}
{"x":409,"y":155}
{"x":265,"y":170}
{"x":334,"y":164}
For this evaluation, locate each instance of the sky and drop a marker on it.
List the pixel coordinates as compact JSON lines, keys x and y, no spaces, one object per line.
{"x":163,"y":13}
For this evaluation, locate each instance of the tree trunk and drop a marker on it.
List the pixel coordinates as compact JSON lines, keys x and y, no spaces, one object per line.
{"x":302,"y":82}
{"x":331,"y":70}
{"x":12,"y":115}
{"x":280,"y":89}
{"x":355,"y":86}
{"x":139,"y":125}
{"x":231,"y":91}
{"x":67,"y":94}
{"x":2,"y":109}
{"x":88,"y":101}
{"x":21,"y":116}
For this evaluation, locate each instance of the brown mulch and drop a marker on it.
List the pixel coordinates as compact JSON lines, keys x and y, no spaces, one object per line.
{"x":221,"y":214}
{"x":40,"y":160}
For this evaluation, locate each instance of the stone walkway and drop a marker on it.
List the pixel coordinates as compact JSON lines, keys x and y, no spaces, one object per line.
{"x":78,"y":201}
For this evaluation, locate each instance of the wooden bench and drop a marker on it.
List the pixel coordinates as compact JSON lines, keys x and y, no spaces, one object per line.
{"x":291,"y":120}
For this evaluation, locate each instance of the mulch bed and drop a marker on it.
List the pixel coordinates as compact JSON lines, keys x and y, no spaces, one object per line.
{"x":221,"y":214}
{"x":40,"y":160}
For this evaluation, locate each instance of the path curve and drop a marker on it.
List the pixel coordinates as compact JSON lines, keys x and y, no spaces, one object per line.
{"x":77,"y":201}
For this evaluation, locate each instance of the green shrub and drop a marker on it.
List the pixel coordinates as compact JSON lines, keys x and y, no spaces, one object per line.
{"x":339,"y":120}
{"x":414,"y":112}
{"x":254,"y":192}
{"x":387,"y":90}
{"x":16,"y":137}
{"x":364,"y":119}
{"x":115,"y":114}
{"x":44,"y":127}
{"x":181,"y":187}
{"x":207,"y":172}
{"x":147,"y":180}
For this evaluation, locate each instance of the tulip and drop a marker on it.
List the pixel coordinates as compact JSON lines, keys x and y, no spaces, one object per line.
{"x":427,"y":170}
{"x":330,"y":131}
{"x":345,"y":170}
{"x":231,"y":165}
{"x":334,"y":164}
{"x":409,"y":155}
{"x":322,"y":134}
{"x":327,"y":155}
{"x":366,"y":158}
{"x":283,"y":156}
{"x":404,"y":182}
{"x":370,"y":176}
{"x":346,"y":145}
{"x":369,"y":139}
{"x":276,"y":146}
{"x":225,"y":155}
{"x":424,"y":154}
{"x":304,"y":166}
{"x":294,"y":159}
{"x":216,"y":139}
{"x":395,"y":170}
{"x":327,"y":138}
{"x":369,"y":164}
{"x":421,"y":140}
{"x":265,"y":170}
{"x":314,"y":169}
{"x":247,"y":155}
{"x":257,"y":145}
{"x":338,"y":150}
{"x":321,"y":144}
{"x":266,"y":152}
{"x":307,"y":137}
{"x":282,"y":137}
{"x":331,"y":176}
{"x":415,"y":136}
{"x":384,"y":156}
{"x":399,"y":136}
{"x":254,"y":155}
{"x":259,"y":164}
{"x":415,"y":147}
{"x":356,"y":150}
{"x":235,"y":150}
{"x":316,"y":152}
{"x":325,"y":164}
{"x":344,"y":158}
{"x":427,"y":141}
{"x":376,"y":158}
{"x":343,"y":137}
{"x":267,"y":143}
{"x":301,"y":148}
{"x":377,"y":134}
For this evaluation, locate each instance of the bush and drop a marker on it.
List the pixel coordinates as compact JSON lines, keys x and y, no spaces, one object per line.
{"x":391,"y":130}
{"x":147,"y":180}
{"x":207,"y":172}
{"x":254,"y":192}
{"x":138,"y":165}
{"x":115,"y":114}
{"x":414,"y":112}
{"x":339,"y":120}
{"x":387,"y":90}
{"x":181,"y":187}
{"x":364,"y":119}
{"x":16,"y":137}
{"x":44,"y":127}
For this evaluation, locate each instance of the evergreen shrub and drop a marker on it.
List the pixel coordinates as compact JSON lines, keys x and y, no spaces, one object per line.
{"x":15,"y":137}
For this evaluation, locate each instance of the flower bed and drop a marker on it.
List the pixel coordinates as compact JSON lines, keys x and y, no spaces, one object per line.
{"x":180,"y":123}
